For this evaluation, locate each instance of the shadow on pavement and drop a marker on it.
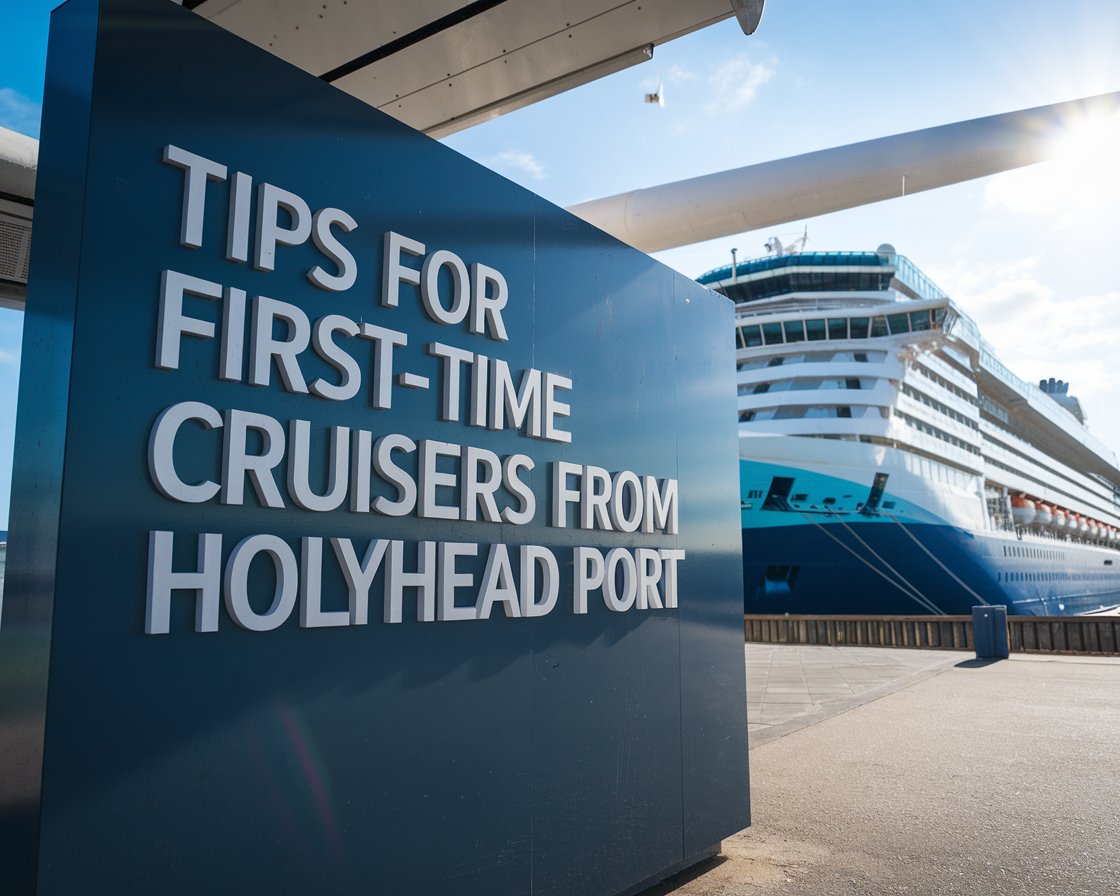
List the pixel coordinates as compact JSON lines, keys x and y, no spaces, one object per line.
{"x":976,"y":664}
{"x":683,"y":877}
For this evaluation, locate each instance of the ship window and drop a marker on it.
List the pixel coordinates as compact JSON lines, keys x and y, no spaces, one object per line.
{"x":861,"y":356}
{"x":899,"y":323}
{"x":837,"y":328}
{"x":859,"y":327}
{"x":746,"y":416}
{"x":844,"y":411}
{"x":814,"y":329}
{"x":878,"y":327}
{"x":751,"y":336}
{"x":795,"y":331}
{"x":801,"y":497}
{"x":919,"y":320}
{"x":739,"y":338}
{"x":775,"y":362}
{"x":772,"y":333}
{"x":761,"y":389}
{"x":888,"y":505}
{"x":852,"y":383}
{"x":829,"y":501}
{"x":778,"y":580}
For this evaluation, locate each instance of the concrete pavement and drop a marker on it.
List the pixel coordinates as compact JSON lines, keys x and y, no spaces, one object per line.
{"x":945,"y":776}
{"x":790,"y":686}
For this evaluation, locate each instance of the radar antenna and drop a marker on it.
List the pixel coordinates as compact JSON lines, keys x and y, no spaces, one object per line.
{"x":774,"y":245}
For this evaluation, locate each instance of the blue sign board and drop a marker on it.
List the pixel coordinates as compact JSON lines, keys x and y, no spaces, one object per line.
{"x":375,"y":521}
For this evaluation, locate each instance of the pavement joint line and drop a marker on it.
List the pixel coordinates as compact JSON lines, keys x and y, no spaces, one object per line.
{"x":1082,"y":658}
{"x":836,"y":708}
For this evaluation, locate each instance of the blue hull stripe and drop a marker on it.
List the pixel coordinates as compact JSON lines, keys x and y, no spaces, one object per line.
{"x":825,"y":569}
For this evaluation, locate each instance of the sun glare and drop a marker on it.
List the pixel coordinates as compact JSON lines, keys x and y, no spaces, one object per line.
{"x":1092,"y":144}
{"x":1079,"y":186}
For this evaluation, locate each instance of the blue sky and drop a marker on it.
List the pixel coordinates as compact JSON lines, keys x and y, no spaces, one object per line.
{"x":1030,"y":254}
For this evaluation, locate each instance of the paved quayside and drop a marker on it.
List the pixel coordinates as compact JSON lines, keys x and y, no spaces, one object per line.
{"x":878,"y":771}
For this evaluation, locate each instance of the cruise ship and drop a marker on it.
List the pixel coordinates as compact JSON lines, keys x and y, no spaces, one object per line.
{"x":891,"y":464}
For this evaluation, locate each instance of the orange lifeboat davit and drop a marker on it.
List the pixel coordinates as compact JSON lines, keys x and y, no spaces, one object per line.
{"x":1022,"y":510}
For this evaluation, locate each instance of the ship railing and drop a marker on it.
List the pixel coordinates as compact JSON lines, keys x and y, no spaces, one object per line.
{"x":1044,"y":405}
{"x":793,"y":259}
{"x":1090,"y":489}
{"x":1035,"y":534}
{"x":832,"y":304}
{"x":752,"y":312}
{"x":907,"y":272}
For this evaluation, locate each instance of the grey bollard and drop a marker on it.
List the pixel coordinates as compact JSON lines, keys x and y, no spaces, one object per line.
{"x":989,"y":632}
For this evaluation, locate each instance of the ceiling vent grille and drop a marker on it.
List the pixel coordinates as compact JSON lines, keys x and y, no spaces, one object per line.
{"x":15,"y":248}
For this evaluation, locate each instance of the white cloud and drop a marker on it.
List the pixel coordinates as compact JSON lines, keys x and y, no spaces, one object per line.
{"x":1040,"y":333}
{"x":995,"y":288}
{"x":735,"y":82}
{"x":678,"y":74}
{"x":7,"y":357}
{"x":18,"y":113}
{"x":517,"y":162}
{"x":675,"y":75}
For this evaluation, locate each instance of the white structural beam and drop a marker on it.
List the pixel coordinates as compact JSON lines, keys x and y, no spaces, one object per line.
{"x":19,"y":160}
{"x":771,"y":193}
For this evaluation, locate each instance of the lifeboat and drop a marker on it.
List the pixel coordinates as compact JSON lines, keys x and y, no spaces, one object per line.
{"x":1058,"y":519}
{"x":1094,"y":528}
{"x":1022,"y":510}
{"x":1044,"y":515}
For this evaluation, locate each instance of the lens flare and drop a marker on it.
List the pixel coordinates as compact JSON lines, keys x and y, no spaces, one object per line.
{"x":1093,"y":145}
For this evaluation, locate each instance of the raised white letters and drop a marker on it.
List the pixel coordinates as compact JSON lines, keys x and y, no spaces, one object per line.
{"x":324,"y":338}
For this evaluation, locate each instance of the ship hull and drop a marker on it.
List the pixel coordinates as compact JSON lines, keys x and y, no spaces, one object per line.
{"x":805,"y":561}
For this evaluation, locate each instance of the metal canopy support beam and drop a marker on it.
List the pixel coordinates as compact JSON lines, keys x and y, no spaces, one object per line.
{"x":441,"y":65}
